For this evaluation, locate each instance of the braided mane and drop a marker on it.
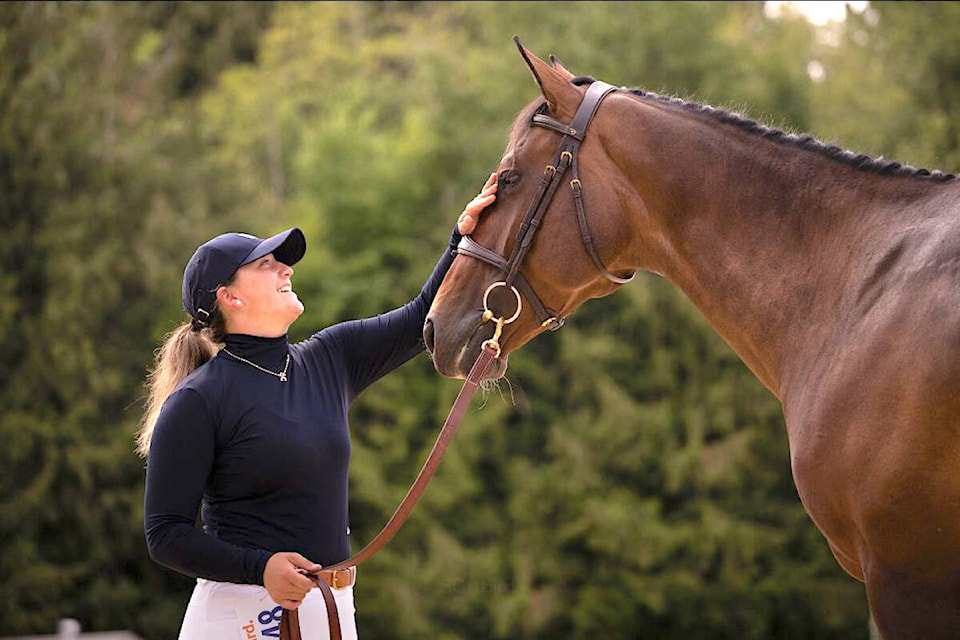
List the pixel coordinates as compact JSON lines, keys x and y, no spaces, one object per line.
{"x":859,"y":161}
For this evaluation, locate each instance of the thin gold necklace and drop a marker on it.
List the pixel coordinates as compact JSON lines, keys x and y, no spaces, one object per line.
{"x":282,"y":375}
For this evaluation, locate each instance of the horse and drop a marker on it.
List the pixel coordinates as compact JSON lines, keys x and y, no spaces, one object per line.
{"x":835,"y":277}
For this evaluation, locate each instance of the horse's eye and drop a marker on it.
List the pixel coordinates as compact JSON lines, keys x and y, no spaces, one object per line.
{"x":507,"y":178}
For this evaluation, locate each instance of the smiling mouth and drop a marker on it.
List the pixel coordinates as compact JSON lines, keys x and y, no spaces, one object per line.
{"x":285,"y":289}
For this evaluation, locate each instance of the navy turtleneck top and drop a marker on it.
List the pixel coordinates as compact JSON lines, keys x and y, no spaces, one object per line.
{"x":264,"y":461}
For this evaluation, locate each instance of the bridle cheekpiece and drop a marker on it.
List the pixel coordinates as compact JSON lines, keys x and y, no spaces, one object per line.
{"x":564,"y":158}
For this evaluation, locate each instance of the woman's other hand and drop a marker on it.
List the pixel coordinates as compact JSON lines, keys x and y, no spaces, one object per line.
{"x":467,"y":221}
{"x":284,"y":580}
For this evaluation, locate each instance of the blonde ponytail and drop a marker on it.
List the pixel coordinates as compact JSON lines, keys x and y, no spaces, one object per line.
{"x":184,"y":349}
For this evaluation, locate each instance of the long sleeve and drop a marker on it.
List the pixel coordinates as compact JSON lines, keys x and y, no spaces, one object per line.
{"x":373,"y":347}
{"x":180,"y":461}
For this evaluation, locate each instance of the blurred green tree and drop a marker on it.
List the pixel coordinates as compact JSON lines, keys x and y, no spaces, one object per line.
{"x":99,"y":186}
{"x":630,"y":478}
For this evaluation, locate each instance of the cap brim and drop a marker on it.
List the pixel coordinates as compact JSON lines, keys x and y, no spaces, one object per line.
{"x":287,"y":247}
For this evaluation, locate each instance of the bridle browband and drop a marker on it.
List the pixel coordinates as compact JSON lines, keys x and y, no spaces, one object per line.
{"x":564,"y":158}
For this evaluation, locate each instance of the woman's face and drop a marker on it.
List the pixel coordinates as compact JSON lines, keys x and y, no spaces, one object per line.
{"x":260,"y":300}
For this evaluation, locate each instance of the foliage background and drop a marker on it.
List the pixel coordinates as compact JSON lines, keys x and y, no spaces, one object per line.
{"x":631,"y":480}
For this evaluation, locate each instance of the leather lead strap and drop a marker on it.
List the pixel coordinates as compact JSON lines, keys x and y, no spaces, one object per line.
{"x":332,"y":616}
{"x":290,"y":620}
{"x":290,"y":625}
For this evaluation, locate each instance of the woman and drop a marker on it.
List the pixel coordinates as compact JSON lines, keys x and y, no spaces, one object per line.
{"x":252,"y":432}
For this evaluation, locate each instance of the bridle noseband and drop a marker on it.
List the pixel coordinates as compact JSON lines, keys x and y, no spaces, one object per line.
{"x":564,"y":158}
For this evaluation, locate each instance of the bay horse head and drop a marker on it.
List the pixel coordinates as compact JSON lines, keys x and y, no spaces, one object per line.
{"x":512,"y":283}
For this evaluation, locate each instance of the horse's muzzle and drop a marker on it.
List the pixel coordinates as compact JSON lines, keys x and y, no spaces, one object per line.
{"x":454,"y":357}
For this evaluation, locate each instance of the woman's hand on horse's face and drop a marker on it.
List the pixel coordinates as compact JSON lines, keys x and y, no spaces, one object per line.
{"x":471,"y":213}
{"x":284,"y":580}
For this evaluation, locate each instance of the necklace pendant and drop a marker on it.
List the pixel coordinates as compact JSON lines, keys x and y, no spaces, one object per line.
{"x":283,"y":377}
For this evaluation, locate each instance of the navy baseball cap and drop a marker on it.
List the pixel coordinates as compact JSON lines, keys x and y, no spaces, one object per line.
{"x":215,"y":261}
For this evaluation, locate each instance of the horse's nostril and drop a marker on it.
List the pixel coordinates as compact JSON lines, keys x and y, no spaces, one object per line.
{"x":428,"y":335}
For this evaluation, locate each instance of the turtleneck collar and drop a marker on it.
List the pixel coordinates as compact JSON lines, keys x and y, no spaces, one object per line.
{"x":267,"y":352}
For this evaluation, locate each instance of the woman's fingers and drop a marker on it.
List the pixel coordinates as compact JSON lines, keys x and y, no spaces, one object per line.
{"x":302,"y":563}
{"x":291,"y":595}
{"x":478,"y":204}
{"x":467,"y":221}
{"x":284,"y":578}
{"x":490,"y":186}
{"x":487,"y":192}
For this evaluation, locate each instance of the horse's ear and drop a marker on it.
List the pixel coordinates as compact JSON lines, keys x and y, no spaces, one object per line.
{"x":559,"y":67}
{"x":562,"y":96}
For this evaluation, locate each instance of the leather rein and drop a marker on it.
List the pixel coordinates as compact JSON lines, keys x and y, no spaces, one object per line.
{"x":564,"y":158}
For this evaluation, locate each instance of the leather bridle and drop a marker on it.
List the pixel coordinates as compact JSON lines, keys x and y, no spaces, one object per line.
{"x":564,"y":158}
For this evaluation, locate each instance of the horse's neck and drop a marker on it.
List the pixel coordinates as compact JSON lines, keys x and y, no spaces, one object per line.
{"x":762,"y":237}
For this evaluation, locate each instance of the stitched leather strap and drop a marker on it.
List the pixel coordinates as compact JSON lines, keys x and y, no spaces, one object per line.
{"x":469,"y":247}
{"x":564,"y":158}
{"x":290,"y":620}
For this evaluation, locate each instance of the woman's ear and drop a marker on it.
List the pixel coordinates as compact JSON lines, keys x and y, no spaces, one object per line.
{"x":226,"y":299}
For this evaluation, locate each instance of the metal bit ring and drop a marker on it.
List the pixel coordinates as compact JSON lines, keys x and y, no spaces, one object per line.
{"x":488,"y":314}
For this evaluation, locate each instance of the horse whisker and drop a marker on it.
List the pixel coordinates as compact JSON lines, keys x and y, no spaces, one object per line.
{"x":488,"y":386}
